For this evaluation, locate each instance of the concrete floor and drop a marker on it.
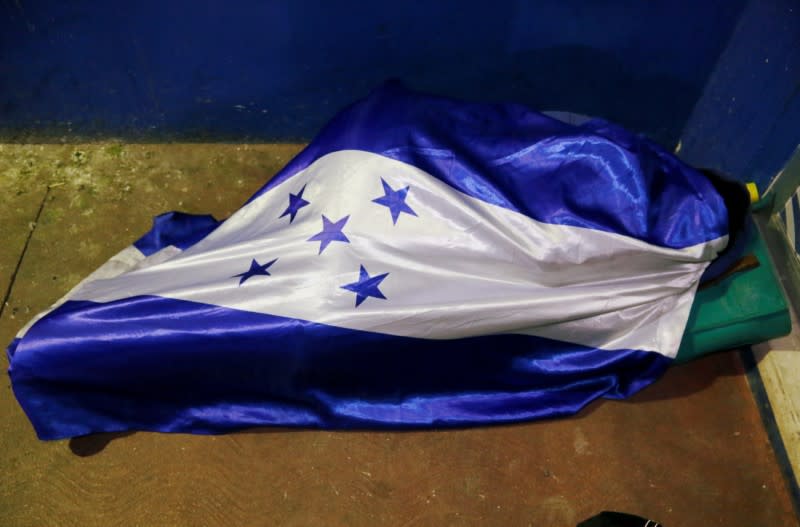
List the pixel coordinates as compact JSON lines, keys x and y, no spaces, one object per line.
{"x":689,"y":451}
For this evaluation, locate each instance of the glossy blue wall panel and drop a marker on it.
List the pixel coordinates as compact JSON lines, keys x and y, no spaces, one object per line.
{"x":276,"y":71}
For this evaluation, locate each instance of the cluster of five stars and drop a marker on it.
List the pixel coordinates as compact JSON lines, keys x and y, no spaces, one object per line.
{"x":332,"y":231}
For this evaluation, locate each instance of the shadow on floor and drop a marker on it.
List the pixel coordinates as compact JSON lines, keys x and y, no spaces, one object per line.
{"x":683,"y":380}
{"x":89,"y":445}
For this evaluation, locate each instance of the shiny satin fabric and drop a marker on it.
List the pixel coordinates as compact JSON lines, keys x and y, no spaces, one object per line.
{"x":596,"y":175}
{"x":573,"y":210}
{"x":149,"y":363}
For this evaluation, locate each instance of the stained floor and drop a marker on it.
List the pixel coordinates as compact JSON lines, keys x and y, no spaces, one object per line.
{"x":689,"y":451}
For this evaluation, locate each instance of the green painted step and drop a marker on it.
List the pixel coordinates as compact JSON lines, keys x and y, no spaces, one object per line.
{"x":745,"y":308}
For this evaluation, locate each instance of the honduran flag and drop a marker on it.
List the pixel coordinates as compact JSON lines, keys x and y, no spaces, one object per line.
{"x":422,"y":263}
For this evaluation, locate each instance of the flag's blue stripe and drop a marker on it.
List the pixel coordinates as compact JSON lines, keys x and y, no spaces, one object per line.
{"x":175,"y":228}
{"x":170,"y":365}
{"x":596,"y":175}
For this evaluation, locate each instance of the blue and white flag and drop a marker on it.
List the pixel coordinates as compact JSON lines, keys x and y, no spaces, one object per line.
{"x":422,"y":263}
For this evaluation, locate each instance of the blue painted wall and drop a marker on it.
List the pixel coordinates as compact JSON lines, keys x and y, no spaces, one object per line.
{"x":277,"y":70}
{"x":747,"y":122}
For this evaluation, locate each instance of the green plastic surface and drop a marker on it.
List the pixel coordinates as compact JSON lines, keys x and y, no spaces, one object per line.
{"x":745,"y":308}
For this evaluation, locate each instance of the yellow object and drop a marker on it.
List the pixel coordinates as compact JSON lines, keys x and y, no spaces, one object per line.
{"x":753,"y":190}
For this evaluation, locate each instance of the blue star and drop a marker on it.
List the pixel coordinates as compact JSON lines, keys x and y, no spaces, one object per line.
{"x":296,"y":202}
{"x":331,"y":232}
{"x":395,"y":200}
{"x":255,"y":270}
{"x":366,"y":286}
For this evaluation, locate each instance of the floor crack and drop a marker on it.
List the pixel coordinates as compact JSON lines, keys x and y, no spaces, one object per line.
{"x":22,"y":254}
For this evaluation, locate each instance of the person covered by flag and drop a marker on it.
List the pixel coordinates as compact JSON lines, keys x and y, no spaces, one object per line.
{"x":423,"y":262}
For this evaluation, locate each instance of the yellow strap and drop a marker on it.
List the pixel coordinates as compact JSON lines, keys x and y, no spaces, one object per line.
{"x":753,"y":190}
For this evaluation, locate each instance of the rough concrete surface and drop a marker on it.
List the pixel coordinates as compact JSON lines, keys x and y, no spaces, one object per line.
{"x":688,"y":451}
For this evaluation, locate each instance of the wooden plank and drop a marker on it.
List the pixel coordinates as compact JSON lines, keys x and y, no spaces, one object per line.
{"x":779,"y":360}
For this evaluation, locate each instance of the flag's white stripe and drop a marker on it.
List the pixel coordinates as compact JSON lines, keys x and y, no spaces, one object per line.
{"x":461,"y":268}
{"x":645,"y":327}
{"x":122,"y":262}
{"x":790,"y":229}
